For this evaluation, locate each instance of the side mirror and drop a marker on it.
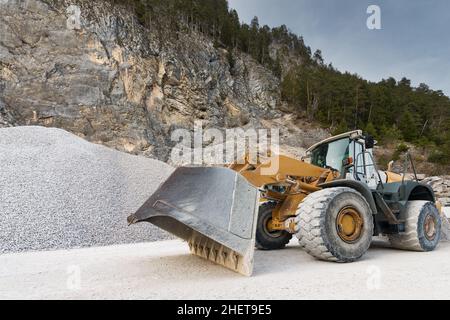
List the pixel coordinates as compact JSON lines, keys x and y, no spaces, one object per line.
{"x":369,"y":141}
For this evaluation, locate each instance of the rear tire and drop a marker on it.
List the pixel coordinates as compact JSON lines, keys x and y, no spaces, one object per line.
{"x":422,"y":228}
{"x":320,"y":225}
{"x":265,"y":239}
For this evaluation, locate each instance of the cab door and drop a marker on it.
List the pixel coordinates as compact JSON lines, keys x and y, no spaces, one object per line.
{"x":357,"y":172}
{"x":364,"y":169}
{"x":372,"y":177}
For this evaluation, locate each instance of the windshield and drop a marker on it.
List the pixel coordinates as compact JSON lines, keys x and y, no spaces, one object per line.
{"x":331,"y":155}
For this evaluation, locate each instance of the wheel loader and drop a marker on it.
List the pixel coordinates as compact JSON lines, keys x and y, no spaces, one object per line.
{"x":334,"y":201}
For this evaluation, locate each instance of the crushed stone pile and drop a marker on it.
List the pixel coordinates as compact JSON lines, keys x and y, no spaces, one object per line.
{"x":58,"y":191}
{"x":441,"y":187}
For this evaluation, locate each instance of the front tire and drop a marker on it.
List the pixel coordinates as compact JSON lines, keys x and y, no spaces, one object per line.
{"x":266,"y":239}
{"x":422,"y":228}
{"x":335,"y":224}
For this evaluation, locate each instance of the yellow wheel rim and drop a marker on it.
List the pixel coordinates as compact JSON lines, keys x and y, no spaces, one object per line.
{"x":349,"y":224}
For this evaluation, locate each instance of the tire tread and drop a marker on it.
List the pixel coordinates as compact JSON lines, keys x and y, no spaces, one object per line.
{"x":309,"y":220}
{"x":410,"y":240}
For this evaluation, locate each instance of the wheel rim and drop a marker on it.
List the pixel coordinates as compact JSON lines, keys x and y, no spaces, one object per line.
{"x":349,"y":224}
{"x":430,"y":227}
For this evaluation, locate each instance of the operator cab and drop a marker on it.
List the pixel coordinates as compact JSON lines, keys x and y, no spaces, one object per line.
{"x":351,"y":154}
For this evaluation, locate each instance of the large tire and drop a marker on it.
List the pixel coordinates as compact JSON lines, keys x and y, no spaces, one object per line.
{"x":417,"y":237}
{"x":265,"y":239}
{"x":319,"y":232}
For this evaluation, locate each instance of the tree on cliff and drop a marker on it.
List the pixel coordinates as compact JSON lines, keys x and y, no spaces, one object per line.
{"x":389,"y":109}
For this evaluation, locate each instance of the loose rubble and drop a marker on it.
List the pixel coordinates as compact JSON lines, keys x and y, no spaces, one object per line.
{"x":59,"y":191}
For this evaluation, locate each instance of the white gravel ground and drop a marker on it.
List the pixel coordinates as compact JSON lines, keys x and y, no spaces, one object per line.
{"x":59,"y":191}
{"x":166,"y":270}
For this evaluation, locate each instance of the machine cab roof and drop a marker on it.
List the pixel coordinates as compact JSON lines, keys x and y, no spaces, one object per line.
{"x":352,"y":135}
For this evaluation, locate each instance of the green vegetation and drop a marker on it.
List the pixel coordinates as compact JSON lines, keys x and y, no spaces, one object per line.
{"x":391,"y":110}
{"x":215,"y":19}
{"x":401,"y":149}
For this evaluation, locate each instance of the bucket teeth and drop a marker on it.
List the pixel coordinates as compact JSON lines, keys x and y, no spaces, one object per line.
{"x":213,"y":209}
{"x":211,"y":250}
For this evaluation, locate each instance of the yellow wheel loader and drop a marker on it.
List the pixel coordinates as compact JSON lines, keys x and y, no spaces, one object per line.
{"x":334,"y":201}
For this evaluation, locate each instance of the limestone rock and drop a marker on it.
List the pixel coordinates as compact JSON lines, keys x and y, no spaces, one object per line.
{"x":91,"y":68}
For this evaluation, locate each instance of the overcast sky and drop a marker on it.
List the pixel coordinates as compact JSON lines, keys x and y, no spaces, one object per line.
{"x":414,"y":40}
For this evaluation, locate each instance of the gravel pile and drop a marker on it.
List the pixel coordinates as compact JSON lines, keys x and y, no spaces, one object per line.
{"x":59,"y":191}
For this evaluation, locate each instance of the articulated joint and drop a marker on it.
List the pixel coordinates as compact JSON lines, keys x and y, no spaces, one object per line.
{"x":288,"y":225}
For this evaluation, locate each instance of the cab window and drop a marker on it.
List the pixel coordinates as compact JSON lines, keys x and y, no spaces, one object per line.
{"x":356,"y":152}
{"x":331,"y":155}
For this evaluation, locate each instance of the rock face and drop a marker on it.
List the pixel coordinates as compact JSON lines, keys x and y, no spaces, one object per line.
{"x":6,"y":117}
{"x":91,"y":68}
{"x":441,"y":187}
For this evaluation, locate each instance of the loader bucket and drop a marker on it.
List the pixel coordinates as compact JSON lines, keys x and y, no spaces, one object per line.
{"x":213,"y":209}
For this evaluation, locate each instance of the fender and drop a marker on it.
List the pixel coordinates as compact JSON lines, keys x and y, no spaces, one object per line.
{"x":410,"y":190}
{"x":358,"y":186}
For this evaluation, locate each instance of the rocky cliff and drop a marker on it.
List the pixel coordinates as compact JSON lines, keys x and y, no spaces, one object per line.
{"x":93,"y":69}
